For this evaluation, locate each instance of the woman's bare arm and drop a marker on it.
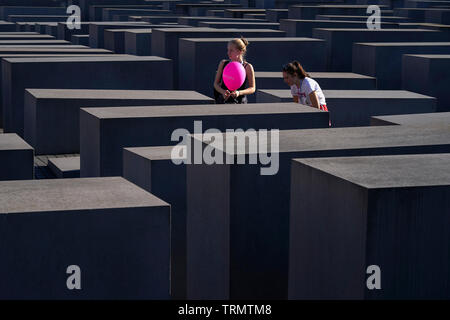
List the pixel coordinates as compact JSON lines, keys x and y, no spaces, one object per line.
{"x":314,"y":100}
{"x":224,"y":93}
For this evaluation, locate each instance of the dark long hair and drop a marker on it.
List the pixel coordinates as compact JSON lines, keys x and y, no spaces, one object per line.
{"x":295,"y":68}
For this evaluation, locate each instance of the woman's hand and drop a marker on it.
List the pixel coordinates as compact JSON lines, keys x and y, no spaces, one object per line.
{"x":235,"y":94}
{"x":226,"y":94}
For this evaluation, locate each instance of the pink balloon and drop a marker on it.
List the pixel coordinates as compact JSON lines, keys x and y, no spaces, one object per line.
{"x":233,"y":75}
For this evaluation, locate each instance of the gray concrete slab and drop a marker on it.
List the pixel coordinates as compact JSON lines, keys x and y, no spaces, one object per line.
{"x":387,"y":211}
{"x":304,"y":28}
{"x":30,"y":51}
{"x":5,"y":11}
{"x":16,"y":158}
{"x":160,"y":19}
{"x":152,"y":169}
{"x":240,"y":12}
{"x":355,"y":107}
{"x":215,"y":13}
{"x":51,"y":29}
{"x":414,"y":14}
{"x":96,"y":11}
{"x":108,"y":13}
{"x":310,"y":11}
{"x":138,"y":42}
{"x":199,"y":58}
{"x":235,"y":241}
{"x":240,"y":25}
{"x":41,"y":27}
{"x":383,"y":60}
{"x":43,"y":42}
{"x":20,"y":26}
{"x":52,"y":116}
{"x":106,"y":72}
{"x":438,"y":15}
{"x":196,"y":11}
{"x":419,"y":119}
{"x":340,"y":41}
{"x":81,"y":39}
{"x":185,"y":9}
{"x":194,"y":21}
{"x":96,"y":224}
{"x":259,"y":16}
{"x":440,"y":27}
{"x":424,"y":3}
{"x":383,"y":18}
{"x":7,"y":26}
{"x":115,"y":38}
{"x":326,"y":80}
{"x":431,"y":76}
{"x":37,"y":18}
{"x":102,"y":139}
{"x":65,"y":167}
{"x":275,"y":15}
{"x":19,"y":36}
{"x":96,"y":30}
{"x":165,"y":41}
{"x":64,"y":33}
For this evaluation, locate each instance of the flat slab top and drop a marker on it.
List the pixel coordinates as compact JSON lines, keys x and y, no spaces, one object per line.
{"x":108,"y":58}
{"x":66,"y":164}
{"x":355,"y":94}
{"x":405,"y":44}
{"x":362,"y":17}
{"x":146,"y":29}
{"x":118,"y":23}
{"x":26,"y":37}
{"x":73,"y":194}
{"x":328,"y":75}
{"x":208,"y":29}
{"x":246,"y":10}
{"x":205,"y":18}
{"x":346,"y":30}
{"x":355,"y":138}
{"x":264,"y":39}
{"x":117,"y":94}
{"x":153,"y":153}
{"x":52,"y":24}
{"x":5,"y":55}
{"x":138,"y":30}
{"x":323,"y":21}
{"x":242,"y":23}
{"x":53,"y":50}
{"x":198,"y":110}
{"x":432,"y":118}
{"x":41,"y":42}
{"x":431,"y":56}
{"x":42,"y":46}
{"x":387,"y":171}
{"x":11,"y":141}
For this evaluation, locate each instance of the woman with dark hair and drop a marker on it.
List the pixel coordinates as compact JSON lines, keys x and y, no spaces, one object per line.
{"x":304,"y":90}
{"x":236,"y":52}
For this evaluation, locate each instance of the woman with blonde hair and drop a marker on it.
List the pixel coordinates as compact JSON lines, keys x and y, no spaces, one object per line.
{"x":236,"y":53}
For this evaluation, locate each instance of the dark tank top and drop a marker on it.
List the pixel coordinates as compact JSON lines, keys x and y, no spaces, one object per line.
{"x":240,"y":99}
